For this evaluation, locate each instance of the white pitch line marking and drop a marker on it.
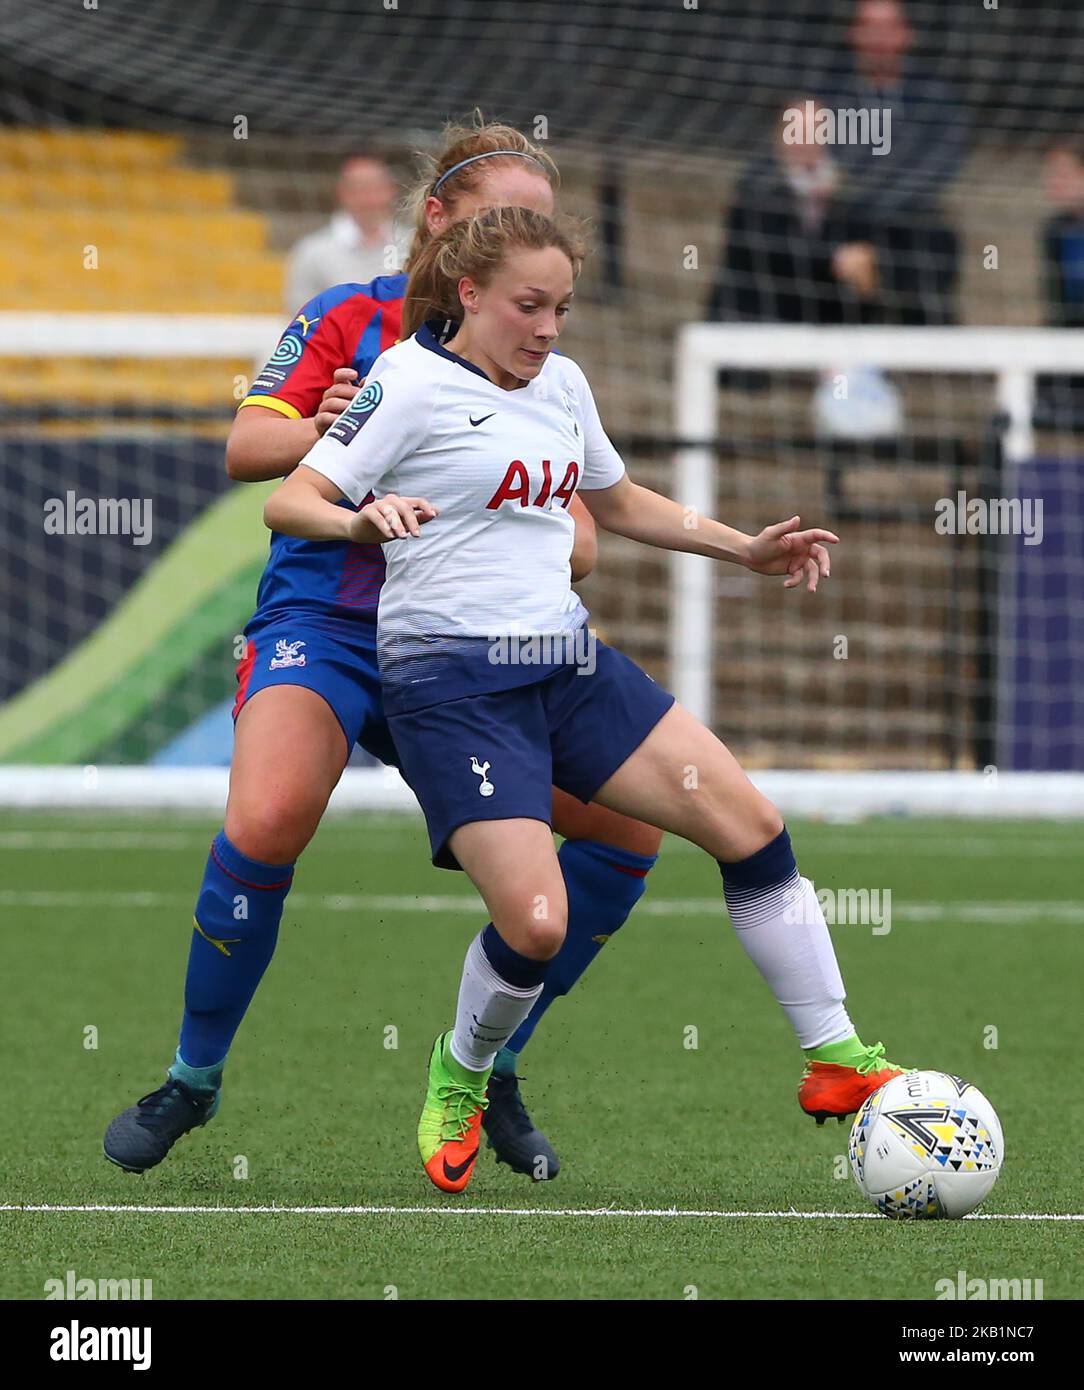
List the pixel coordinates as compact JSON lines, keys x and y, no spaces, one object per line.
{"x":192,"y":840}
{"x":665,"y":1213}
{"x":46,"y":840}
{"x":1001,"y":911}
{"x":180,"y":840}
{"x":865,"y":843}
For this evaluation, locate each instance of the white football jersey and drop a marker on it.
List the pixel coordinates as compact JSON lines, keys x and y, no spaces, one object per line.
{"x":501,"y":467}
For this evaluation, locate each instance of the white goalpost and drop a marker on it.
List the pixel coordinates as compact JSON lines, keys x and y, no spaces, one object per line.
{"x":1013,"y":357}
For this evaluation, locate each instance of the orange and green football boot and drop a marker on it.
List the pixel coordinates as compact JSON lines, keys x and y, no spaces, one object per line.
{"x":839,"y":1076}
{"x":451,"y":1122}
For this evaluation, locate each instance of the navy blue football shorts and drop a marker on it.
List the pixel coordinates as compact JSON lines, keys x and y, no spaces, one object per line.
{"x":497,"y":755}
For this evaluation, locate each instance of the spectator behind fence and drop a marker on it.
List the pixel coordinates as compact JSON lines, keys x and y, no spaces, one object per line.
{"x":1063,"y":235}
{"x":796,"y":251}
{"x":362,"y":240}
{"x":1060,"y":399}
{"x":900,"y":189}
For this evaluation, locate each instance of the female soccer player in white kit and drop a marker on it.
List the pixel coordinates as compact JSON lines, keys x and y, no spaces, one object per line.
{"x":475,"y":436}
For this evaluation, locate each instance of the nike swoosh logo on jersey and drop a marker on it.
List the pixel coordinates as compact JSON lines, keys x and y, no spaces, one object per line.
{"x":454,"y":1171}
{"x":483,"y":419}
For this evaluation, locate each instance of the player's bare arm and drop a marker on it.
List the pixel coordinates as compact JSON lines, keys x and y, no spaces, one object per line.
{"x":391,"y":518}
{"x":585,"y":545}
{"x":642,"y":515}
{"x":263,"y":443}
{"x":305,"y":506}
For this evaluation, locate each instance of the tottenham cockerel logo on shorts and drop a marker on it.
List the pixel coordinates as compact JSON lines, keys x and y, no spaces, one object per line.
{"x":485,"y":787}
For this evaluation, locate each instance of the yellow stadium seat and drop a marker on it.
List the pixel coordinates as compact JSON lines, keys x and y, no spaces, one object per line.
{"x":113,"y":221}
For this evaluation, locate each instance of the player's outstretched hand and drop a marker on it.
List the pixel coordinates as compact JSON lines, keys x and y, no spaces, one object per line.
{"x":345,"y":386}
{"x":394,"y":517}
{"x":783,"y":549}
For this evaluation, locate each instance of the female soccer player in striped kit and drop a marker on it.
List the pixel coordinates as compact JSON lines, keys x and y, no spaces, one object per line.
{"x":475,"y":437}
{"x":309,"y":688}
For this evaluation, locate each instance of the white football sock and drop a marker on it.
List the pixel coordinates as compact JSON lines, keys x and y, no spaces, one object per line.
{"x":784,"y":934}
{"x":489,"y":1010}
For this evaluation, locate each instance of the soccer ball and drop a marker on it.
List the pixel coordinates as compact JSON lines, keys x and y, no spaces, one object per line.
{"x":926,"y":1145}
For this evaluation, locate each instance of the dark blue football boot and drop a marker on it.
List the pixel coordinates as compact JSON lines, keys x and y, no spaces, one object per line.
{"x":142,"y":1135}
{"x":511,"y":1133}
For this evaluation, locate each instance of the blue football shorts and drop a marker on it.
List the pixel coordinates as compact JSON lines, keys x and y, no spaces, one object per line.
{"x":335,"y":659}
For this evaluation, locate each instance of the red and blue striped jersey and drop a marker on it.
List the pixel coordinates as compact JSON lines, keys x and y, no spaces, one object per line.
{"x":345,"y":326}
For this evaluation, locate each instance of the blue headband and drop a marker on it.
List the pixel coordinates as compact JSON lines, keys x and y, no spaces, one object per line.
{"x":489,"y":154}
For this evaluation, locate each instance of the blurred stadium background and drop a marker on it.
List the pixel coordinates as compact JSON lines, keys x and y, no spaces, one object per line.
{"x":158,"y":161}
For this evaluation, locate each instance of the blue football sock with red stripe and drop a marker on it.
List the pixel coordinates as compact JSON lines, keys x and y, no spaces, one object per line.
{"x":603,"y":884}
{"x":236,"y":926}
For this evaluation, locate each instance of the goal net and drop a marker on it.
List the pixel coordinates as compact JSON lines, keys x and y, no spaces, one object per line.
{"x":864,"y":333}
{"x":952,"y":638}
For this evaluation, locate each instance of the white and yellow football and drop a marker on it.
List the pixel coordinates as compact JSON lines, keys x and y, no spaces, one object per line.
{"x":926,"y":1145}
